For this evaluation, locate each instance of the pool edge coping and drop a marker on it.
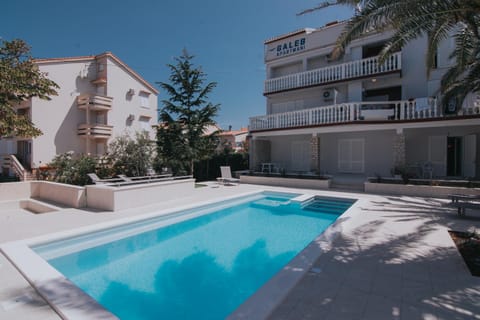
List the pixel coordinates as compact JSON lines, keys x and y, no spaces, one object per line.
{"x":20,"y":254}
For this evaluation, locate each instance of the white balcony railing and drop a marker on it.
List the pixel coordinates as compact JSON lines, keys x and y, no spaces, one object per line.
{"x":94,"y":102}
{"x":95,"y":131}
{"x":355,"y":111}
{"x":339,"y":72}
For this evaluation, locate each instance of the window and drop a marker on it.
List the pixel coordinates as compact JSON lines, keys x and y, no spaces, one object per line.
{"x":144,"y":123}
{"x":144,"y":103}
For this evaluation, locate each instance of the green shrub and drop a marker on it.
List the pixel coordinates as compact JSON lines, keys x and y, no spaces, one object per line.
{"x":131,"y":157}
{"x":71,"y":170}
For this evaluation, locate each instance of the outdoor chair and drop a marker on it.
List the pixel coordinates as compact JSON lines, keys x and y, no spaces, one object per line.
{"x":96,"y":179}
{"x":427,"y":170}
{"x":226,"y":177}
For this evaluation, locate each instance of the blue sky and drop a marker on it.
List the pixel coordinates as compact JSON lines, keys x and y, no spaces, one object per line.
{"x":225,"y":36}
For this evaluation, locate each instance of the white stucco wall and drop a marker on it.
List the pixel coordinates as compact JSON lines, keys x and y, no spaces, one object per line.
{"x":118,"y":85}
{"x":59,"y":118}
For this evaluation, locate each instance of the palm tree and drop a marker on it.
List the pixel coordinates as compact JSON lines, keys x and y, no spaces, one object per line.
{"x":412,"y":19}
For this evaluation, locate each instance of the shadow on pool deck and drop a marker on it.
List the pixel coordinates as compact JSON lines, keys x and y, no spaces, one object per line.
{"x":398,"y":263}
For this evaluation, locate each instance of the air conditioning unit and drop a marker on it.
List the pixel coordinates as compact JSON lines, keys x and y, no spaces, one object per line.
{"x":131,"y":92}
{"x":328,"y":94}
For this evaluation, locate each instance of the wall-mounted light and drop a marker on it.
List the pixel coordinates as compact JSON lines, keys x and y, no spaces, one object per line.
{"x":374,"y":80}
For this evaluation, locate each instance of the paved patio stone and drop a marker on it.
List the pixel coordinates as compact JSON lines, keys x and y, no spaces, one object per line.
{"x":391,"y":259}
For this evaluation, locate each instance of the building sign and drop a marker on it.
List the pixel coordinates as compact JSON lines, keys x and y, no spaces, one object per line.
{"x":288,"y":47}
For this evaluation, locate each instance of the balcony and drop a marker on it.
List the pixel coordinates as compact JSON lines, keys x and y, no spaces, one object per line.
{"x":358,"y":112}
{"x":340,"y":72}
{"x":95,"y":131}
{"x":94,"y":102}
{"x":100,"y":81}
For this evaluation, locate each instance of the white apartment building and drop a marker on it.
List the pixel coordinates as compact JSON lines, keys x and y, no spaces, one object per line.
{"x":356,"y":116}
{"x":100,"y":97}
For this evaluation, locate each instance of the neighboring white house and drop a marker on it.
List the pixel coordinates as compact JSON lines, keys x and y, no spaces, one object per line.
{"x":100,"y":97}
{"x":357,"y":116}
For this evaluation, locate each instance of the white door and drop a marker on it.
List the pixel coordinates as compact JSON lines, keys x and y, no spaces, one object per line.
{"x":469,"y":155}
{"x":300,"y":156}
{"x":351,"y":155}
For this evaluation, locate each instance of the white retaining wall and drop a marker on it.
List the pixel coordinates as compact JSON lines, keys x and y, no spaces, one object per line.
{"x":65,"y":194}
{"x":118,"y":198}
{"x":15,"y":190}
{"x":419,"y":191}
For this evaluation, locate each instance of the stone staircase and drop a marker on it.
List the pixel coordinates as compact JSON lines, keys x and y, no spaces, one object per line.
{"x":10,"y":163}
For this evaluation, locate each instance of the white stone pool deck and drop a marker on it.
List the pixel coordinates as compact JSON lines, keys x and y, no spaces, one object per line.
{"x":391,"y":259}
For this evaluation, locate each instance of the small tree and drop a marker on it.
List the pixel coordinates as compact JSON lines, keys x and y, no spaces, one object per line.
{"x":185,"y":116}
{"x":20,"y":80}
{"x":170,"y":148}
{"x":132,"y":157}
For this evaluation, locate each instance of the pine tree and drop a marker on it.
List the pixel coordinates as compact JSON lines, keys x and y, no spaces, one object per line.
{"x":185,"y":116}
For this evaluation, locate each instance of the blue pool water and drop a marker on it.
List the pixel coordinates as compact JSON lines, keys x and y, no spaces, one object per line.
{"x":202,"y":268}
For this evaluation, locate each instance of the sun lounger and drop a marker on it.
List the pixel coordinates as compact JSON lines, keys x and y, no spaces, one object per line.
{"x":226,"y":177}
{"x":125,"y":181}
{"x":145,"y":178}
{"x":464,"y":201}
{"x":96,"y":179}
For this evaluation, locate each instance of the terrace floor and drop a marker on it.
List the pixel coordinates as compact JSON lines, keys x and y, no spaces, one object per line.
{"x":392,"y":258}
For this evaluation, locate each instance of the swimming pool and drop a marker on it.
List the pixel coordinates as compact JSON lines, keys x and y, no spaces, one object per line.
{"x":202,"y":267}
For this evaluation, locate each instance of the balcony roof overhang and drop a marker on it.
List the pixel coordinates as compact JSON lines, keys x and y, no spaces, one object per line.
{"x":372,"y":125}
{"x":329,"y":83}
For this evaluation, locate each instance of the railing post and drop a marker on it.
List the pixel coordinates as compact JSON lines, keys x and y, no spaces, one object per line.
{"x":402,"y":110}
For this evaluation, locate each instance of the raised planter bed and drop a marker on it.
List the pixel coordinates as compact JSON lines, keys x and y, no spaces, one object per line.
{"x":114,"y":198}
{"x":308,"y":182}
{"x":468,"y":244}
{"x":397,"y":187}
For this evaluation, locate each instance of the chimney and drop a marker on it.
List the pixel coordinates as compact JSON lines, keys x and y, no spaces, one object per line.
{"x":230,"y":128}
